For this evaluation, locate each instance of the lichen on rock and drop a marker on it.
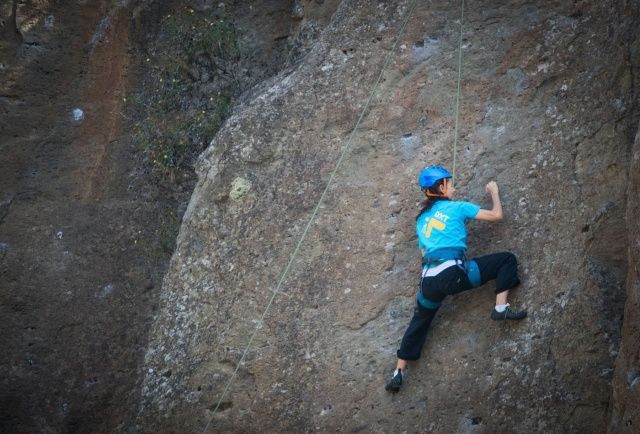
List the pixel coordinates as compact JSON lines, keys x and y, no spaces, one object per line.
{"x":239,"y":187}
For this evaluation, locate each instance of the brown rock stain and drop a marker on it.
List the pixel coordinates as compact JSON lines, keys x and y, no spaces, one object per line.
{"x":104,"y":93}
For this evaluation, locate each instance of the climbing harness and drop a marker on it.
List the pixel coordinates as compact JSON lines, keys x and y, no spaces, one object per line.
{"x":434,"y":263}
{"x":470,"y":268}
{"x":442,"y":254}
{"x":313,"y":214}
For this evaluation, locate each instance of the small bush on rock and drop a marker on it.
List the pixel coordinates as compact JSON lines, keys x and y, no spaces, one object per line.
{"x":187,"y":84}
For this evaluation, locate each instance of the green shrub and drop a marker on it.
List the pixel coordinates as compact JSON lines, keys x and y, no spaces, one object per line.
{"x":175,"y":118}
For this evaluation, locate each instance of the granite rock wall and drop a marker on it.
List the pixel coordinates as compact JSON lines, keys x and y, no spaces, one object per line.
{"x":548,"y":110}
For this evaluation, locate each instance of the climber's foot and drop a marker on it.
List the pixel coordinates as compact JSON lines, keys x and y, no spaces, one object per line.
{"x":395,"y":383}
{"x":508,"y":313}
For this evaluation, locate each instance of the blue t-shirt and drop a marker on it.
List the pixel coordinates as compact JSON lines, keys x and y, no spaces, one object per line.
{"x":443,"y":226}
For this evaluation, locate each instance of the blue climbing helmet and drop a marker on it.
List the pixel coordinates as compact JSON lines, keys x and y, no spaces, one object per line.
{"x":432,"y":174}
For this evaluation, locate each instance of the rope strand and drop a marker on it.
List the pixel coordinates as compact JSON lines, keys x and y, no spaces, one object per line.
{"x":313,"y":215}
{"x":455,"y":139}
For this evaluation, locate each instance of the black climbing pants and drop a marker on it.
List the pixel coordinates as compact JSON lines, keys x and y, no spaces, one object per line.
{"x":503,"y":267}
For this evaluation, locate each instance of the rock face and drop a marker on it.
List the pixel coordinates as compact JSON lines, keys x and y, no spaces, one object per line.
{"x":626,"y":382}
{"x":71,"y":271}
{"x":548,"y":110}
{"x":86,"y":229}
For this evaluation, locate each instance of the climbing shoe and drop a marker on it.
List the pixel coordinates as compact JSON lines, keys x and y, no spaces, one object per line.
{"x":508,"y":313}
{"x":395,"y":383}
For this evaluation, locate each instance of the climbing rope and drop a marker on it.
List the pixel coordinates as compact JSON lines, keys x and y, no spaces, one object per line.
{"x":455,"y":137}
{"x":315,"y":211}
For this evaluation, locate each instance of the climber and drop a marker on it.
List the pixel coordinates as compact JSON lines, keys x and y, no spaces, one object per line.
{"x":442,"y":237}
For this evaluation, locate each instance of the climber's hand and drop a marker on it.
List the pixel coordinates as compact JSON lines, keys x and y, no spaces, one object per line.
{"x":492,"y":188}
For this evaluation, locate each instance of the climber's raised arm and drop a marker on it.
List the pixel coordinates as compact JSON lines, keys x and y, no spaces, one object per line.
{"x":494,"y":214}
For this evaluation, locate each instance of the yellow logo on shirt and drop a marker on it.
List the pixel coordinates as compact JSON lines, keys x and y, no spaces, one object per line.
{"x":433,"y":223}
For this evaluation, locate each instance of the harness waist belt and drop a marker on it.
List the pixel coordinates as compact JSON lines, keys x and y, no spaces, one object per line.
{"x":442,"y":255}
{"x":434,"y":271}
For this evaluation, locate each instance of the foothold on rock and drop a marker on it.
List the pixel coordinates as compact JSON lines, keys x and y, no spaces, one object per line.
{"x":225,"y":405}
{"x":326,"y":410}
{"x":476,"y":420}
{"x":49,"y":21}
{"x":423,"y":50}
{"x":239,"y":187}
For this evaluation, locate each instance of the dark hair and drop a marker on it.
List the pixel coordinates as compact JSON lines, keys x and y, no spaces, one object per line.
{"x":428,"y":203}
